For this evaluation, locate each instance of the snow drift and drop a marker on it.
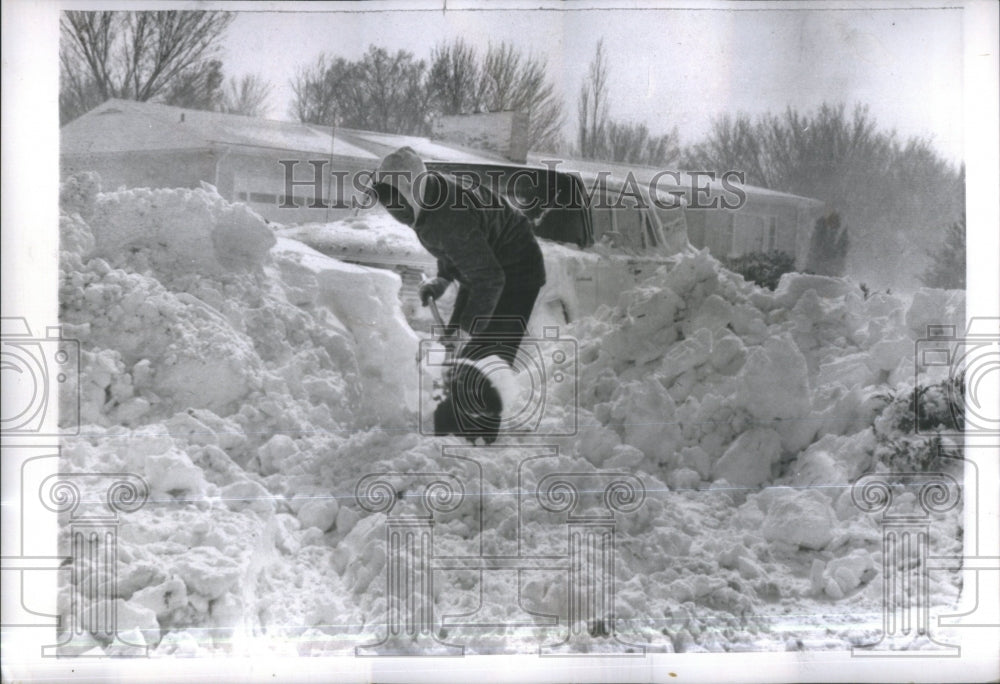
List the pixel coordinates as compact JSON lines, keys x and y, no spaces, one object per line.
{"x":253,"y":382}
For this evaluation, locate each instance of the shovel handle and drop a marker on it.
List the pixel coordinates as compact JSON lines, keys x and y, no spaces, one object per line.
{"x":436,"y":313}
{"x":450,"y":347}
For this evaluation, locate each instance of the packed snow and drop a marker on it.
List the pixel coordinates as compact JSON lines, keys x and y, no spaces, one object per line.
{"x":253,"y":382}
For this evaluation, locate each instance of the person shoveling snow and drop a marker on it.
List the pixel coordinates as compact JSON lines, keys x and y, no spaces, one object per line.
{"x":488,"y":247}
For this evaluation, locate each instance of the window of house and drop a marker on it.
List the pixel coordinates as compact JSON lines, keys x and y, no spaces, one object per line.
{"x":748,"y":234}
{"x":772,"y":234}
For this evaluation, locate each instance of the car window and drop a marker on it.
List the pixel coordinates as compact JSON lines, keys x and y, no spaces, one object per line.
{"x":629,"y":223}
{"x":602,"y":222}
{"x":532,"y":191}
{"x":562,"y":216}
{"x":651,"y":240}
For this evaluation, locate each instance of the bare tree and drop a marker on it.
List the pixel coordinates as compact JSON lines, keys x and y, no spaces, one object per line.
{"x":633,"y":144}
{"x":133,"y":55}
{"x":78,"y":90}
{"x":510,"y":80}
{"x":504,"y":79}
{"x":382,"y":92}
{"x":454,"y":79}
{"x":397,"y":93}
{"x":316,"y":88}
{"x":592,"y":108}
{"x":391,"y":96}
{"x":247,"y":96}
{"x":895,"y":195}
{"x":601,"y":137}
{"x":199,"y":87}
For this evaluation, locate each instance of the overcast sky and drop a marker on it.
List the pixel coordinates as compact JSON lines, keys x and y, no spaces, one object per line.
{"x":667,"y":66}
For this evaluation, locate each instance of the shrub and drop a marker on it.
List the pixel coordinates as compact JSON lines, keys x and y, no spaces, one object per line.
{"x":763,"y":268}
{"x":908,"y":439}
{"x":828,"y":247}
{"x":947,"y":262}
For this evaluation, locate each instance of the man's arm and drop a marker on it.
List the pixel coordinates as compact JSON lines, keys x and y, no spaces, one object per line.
{"x":446,"y":270}
{"x":465,"y":248}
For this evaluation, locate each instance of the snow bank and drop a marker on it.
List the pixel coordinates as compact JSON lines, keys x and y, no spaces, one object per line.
{"x":749,"y":378}
{"x":184,"y":301}
{"x":253,"y":382}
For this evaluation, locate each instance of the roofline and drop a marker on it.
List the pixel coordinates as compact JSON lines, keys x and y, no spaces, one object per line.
{"x":758,"y":190}
{"x":137,"y":103}
{"x":472,"y":151}
{"x":203,"y":148}
{"x":142,"y":109}
{"x":326,"y":155}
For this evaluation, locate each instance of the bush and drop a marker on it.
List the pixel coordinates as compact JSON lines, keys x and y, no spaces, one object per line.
{"x":947,"y":262}
{"x":763,"y":268}
{"x":828,"y":247}
{"x":908,"y":440}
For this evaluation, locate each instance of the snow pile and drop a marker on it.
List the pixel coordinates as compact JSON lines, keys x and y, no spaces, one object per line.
{"x":184,"y":301}
{"x":713,"y":378}
{"x":254,"y":382}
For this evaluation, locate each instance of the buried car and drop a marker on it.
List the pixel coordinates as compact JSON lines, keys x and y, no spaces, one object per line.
{"x":600,"y":235}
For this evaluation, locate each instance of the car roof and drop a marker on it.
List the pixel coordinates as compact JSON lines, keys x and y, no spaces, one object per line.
{"x":586,"y":176}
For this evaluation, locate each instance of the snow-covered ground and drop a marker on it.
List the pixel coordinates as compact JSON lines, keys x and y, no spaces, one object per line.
{"x":254,"y":382}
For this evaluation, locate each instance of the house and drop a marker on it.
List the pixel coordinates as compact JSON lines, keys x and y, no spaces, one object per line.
{"x":251,"y":160}
{"x":296,"y":173}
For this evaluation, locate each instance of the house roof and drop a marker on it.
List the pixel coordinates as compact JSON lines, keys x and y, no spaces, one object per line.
{"x":687,"y":180}
{"x":126,"y":125}
{"x":429,"y":150}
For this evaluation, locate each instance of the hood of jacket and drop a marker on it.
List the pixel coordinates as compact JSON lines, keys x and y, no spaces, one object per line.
{"x":405,"y":171}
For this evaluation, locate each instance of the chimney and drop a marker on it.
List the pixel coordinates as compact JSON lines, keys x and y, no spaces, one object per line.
{"x":503,"y":132}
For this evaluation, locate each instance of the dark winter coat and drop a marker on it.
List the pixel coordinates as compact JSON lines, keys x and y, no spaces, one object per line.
{"x":480,"y":241}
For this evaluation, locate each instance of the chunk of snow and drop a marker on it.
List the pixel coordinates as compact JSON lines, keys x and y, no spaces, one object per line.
{"x":774,"y":381}
{"x":803,"y":519}
{"x":189,"y":230}
{"x":748,"y":460}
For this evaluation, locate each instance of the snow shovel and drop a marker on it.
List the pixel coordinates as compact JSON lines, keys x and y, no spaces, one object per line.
{"x":470,"y":405}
